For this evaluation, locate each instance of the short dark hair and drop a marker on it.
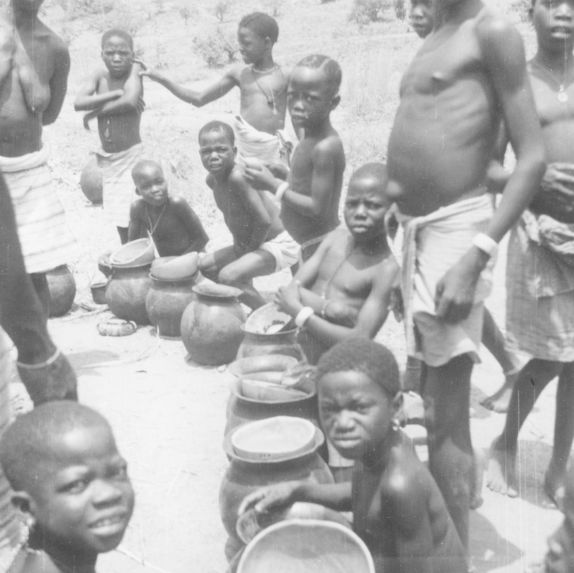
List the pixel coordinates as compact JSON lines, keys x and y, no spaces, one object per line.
{"x":261,"y":24}
{"x":328,"y":66}
{"x":120,"y":34}
{"x":375,"y":170}
{"x":362,"y":355}
{"x":26,"y":443}
{"x":216,"y":125}
{"x":143,"y":163}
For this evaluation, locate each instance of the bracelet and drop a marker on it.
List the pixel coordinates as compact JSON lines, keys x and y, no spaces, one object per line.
{"x":486,"y":244}
{"x":41,"y":365}
{"x":281,"y":190}
{"x":303,"y":316}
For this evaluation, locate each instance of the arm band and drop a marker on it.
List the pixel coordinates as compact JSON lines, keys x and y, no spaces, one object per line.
{"x":303,"y":316}
{"x":486,"y":244}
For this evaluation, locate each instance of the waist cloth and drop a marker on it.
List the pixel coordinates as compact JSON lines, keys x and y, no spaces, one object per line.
{"x":44,"y":235}
{"x":432,"y":245}
{"x":540,"y":283}
{"x":284,"y":249}
{"x":118,"y":186}
{"x":10,"y":530}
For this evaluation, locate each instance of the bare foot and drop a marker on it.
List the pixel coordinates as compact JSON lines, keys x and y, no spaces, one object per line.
{"x":554,"y":485}
{"x":498,"y":402}
{"x":501,"y":473}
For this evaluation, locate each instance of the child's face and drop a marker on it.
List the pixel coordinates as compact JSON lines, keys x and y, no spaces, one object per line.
{"x":85,"y":499}
{"x":365,"y":208}
{"x":251,"y":46}
{"x":356,"y":413}
{"x":309,"y":97}
{"x":151,"y":184}
{"x":421,"y":17}
{"x":216,"y":151}
{"x":117,"y":55}
{"x":553,"y":21}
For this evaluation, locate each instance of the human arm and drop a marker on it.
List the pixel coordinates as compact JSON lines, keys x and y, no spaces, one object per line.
{"x":336,"y":496}
{"x":197,"y":236}
{"x":58,"y":85}
{"x":137,"y":228}
{"x":505,"y":63}
{"x":195,"y":97}
{"x":131,"y":99}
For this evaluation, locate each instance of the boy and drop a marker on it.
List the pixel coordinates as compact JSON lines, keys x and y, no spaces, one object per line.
{"x":68,"y":477}
{"x":310,"y":197}
{"x":398,"y":510}
{"x":169,"y":221}
{"x":468,"y":76}
{"x":114,"y":96}
{"x":260,"y":244}
{"x":540,"y":276}
{"x":421,"y":17}
{"x":262,"y":86}
{"x":33,"y":84}
{"x":347,"y":283}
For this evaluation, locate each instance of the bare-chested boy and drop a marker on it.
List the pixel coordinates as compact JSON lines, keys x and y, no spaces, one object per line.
{"x":260,"y":244}
{"x":33,"y":83}
{"x":114,"y":96}
{"x":398,"y":510}
{"x":310,"y":197}
{"x":169,"y":221}
{"x":262,"y":86}
{"x":469,"y":75}
{"x":540,"y":272}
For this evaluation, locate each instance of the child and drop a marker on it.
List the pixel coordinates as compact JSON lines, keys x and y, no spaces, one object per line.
{"x":169,"y":221}
{"x":263,"y":89}
{"x":68,"y":477}
{"x":260,"y":244}
{"x":310,"y":197}
{"x":540,"y":276}
{"x":471,"y":73}
{"x":114,"y":96}
{"x":397,"y":507}
{"x":421,"y":17}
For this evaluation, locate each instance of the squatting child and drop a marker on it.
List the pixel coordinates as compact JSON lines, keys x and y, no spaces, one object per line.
{"x":114,"y":96}
{"x":69,"y":479}
{"x":169,"y":221}
{"x":310,"y":196}
{"x":260,"y":244}
{"x":398,"y":509}
{"x":262,"y":86}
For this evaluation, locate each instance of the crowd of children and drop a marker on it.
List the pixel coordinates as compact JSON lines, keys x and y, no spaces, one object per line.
{"x":425,"y":221}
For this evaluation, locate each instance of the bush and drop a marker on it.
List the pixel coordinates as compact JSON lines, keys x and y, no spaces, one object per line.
{"x":366,"y":11}
{"x":522,"y":8}
{"x":215,"y":49}
{"x":221,"y":9}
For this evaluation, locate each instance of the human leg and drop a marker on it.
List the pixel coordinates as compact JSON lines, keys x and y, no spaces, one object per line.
{"x":446,"y":393}
{"x":532,"y":380}
{"x":123,"y":233}
{"x":40,"y":283}
{"x":211,"y":263}
{"x":563,"y":435}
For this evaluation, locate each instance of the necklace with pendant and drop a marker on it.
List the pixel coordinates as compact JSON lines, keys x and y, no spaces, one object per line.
{"x":562,"y":94}
{"x":269,"y":94}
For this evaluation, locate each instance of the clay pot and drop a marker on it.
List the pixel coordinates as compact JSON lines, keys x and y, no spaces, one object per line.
{"x":62,"y":287}
{"x":138,"y":252}
{"x":91,"y":181}
{"x":98,"y":290}
{"x":127,"y":291}
{"x":211,"y":324}
{"x":243,"y":477}
{"x":165,"y":303}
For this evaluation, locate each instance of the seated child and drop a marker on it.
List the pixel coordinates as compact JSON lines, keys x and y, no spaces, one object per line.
{"x":68,"y":477}
{"x":169,"y":221}
{"x":260,"y":244}
{"x":347,"y":283}
{"x":397,"y":507}
{"x":310,"y":197}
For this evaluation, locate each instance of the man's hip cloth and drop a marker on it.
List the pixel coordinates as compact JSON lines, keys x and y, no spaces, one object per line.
{"x":44,"y":235}
{"x":432,"y":245}
{"x":540,"y":279}
{"x":284,"y":249}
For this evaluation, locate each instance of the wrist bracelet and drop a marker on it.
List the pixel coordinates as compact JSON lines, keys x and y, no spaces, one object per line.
{"x":486,"y":244}
{"x":303,"y":316}
{"x":41,"y":365}
{"x":281,"y":190}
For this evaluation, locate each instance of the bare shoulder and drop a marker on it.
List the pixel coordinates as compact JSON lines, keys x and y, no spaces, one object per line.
{"x":235,"y":72}
{"x":237,"y":178}
{"x":178,"y":201}
{"x":210,"y":181}
{"x":494,"y":31}
{"x":406,"y":479}
{"x":330,"y":146}
{"x":138,"y":206}
{"x":55,"y":42}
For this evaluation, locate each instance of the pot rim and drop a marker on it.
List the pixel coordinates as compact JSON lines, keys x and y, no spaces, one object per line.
{"x":235,"y":392}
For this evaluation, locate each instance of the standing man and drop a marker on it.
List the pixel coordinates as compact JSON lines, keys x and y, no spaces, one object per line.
{"x":469,"y":75}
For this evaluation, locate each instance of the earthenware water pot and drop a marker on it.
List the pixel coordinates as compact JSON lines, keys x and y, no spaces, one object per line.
{"x":244,"y":476}
{"x":127,"y":291}
{"x":211,"y":324}
{"x":62,"y":287}
{"x":165,"y":303}
{"x":91,"y":181}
